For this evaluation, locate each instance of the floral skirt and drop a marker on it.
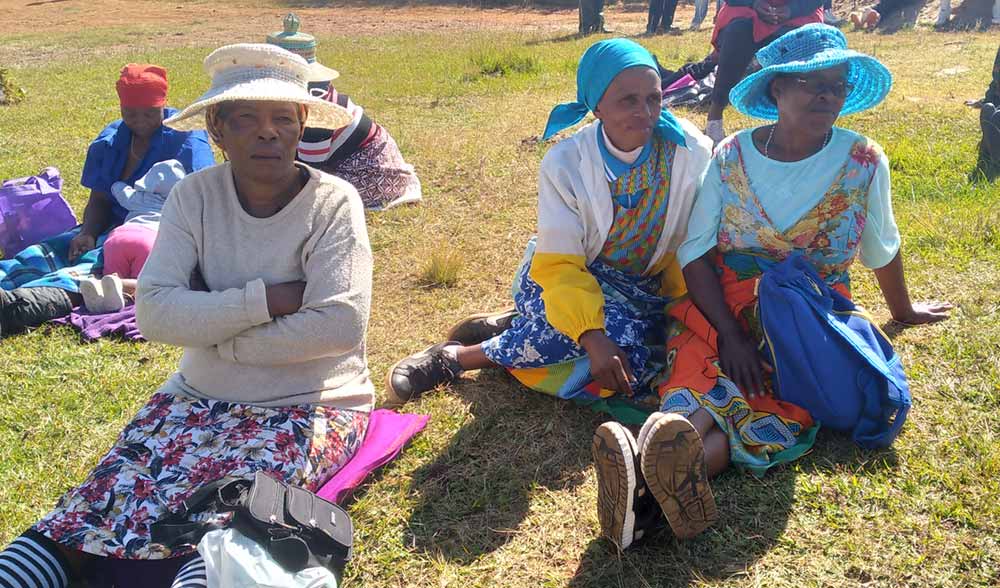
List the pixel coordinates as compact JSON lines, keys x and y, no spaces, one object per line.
{"x":547,"y":361}
{"x":379,"y":172}
{"x":174,"y":445}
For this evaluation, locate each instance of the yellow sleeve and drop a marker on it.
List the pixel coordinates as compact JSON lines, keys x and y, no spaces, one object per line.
{"x":574,"y":303}
{"x":671,"y":278}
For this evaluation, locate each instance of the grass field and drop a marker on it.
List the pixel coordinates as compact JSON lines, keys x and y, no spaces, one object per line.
{"x":499,"y":490}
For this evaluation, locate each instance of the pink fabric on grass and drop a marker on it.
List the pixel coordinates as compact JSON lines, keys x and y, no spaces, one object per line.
{"x":685,"y":81}
{"x":126,"y":249}
{"x":388,"y":432}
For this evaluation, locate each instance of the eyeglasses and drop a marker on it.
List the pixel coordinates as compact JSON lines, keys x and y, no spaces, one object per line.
{"x":816,"y":86}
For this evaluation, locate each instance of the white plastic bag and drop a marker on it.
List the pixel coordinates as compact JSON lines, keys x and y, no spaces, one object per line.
{"x":234,"y":561}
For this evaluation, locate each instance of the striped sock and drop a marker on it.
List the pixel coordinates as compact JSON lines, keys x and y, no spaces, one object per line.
{"x":32,"y":561}
{"x":191,"y":575}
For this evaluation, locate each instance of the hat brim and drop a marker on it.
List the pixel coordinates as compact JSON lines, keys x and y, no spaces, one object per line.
{"x":322,"y":114}
{"x":871,"y":81}
{"x":321,"y":73}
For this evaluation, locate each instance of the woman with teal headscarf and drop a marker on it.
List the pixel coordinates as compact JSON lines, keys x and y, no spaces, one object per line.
{"x":613,"y":204}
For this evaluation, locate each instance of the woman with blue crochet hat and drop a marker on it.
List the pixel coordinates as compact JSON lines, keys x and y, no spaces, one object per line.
{"x":799,"y":186}
{"x":613,"y":202}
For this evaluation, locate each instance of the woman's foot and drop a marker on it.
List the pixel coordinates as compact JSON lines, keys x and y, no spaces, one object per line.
{"x":625,"y":506}
{"x":421,"y":372}
{"x":673,"y":465}
{"x":476,"y":328}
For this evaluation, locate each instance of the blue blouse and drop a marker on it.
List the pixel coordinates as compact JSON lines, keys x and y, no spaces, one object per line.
{"x":789,"y":190}
{"x":108,"y":154}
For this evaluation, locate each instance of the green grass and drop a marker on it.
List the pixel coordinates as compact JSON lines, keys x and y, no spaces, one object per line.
{"x":499,"y":490}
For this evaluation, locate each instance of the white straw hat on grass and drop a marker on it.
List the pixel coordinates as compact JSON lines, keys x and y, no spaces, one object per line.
{"x":262,"y":72}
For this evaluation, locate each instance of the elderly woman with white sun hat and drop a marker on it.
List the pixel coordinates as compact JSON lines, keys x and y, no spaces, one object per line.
{"x":262,"y":273}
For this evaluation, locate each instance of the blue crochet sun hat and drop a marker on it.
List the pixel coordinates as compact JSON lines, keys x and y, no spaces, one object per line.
{"x":810,"y":48}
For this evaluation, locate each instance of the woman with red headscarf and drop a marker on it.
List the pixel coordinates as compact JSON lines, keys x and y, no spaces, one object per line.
{"x":42,"y":282}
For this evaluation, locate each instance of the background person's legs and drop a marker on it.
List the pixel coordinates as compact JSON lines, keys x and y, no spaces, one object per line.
{"x":653,"y":18}
{"x":736,"y":50}
{"x":586,"y":16}
{"x":669,"y":8}
{"x":25,"y":308}
{"x":828,"y":16}
{"x":700,"y":12}
{"x":944,"y":13}
{"x":591,"y":16}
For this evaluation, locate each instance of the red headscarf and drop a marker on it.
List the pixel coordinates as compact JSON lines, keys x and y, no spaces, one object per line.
{"x":142,"y":85}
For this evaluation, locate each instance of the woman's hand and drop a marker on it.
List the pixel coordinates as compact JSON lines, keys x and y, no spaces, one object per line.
{"x":608,"y":363}
{"x":893,"y":284}
{"x":740,"y":362}
{"x":285,"y":298}
{"x":81,"y":244}
{"x":922,"y":313}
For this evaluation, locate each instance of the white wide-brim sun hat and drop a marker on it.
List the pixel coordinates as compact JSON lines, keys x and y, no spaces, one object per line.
{"x":259,"y":72}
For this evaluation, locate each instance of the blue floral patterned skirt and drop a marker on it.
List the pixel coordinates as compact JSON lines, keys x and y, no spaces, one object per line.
{"x":547,"y":361}
{"x":176,"y":444}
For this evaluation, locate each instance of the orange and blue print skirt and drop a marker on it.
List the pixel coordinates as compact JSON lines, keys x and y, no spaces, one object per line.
{"x":763,"y":431}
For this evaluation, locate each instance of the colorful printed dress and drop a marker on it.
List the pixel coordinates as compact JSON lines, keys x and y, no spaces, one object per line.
{"x":548,"y":361}
{"x":764,"y":431}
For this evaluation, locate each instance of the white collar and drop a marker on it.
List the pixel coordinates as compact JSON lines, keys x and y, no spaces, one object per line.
{"x":626,"y":157}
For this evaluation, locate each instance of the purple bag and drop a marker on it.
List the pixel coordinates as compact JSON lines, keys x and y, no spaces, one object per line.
{"x":32,"y":209}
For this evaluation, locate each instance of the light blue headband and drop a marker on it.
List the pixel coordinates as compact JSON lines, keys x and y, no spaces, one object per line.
{"x":598,"y":67}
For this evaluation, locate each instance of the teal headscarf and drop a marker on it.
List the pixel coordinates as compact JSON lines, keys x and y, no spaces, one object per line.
{"x":598,"y":67}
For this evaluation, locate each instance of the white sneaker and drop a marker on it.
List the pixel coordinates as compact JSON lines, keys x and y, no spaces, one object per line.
{"x":830,"y":18}
{"x":715,"y":131}
{"x":104,"y":295}
{"x":114,"y":294}
{"x":93,"y":294}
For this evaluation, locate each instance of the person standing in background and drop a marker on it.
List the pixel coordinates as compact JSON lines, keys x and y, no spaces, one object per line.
{"x":592,"y":17}
{"x":661,"y":16}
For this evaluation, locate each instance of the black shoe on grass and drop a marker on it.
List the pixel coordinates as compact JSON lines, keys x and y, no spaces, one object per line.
{"x":476,"y":328}
{"x":420,"y":372}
